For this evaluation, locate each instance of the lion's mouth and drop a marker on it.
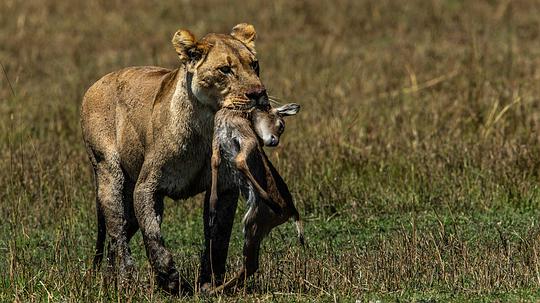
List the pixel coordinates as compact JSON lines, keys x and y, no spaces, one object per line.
{"x":239,"y":103}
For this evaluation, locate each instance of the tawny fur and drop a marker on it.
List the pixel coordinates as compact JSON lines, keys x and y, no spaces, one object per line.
{"x":148,"y":133}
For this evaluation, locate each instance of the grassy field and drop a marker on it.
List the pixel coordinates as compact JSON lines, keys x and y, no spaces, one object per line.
{"x":415,"y":159}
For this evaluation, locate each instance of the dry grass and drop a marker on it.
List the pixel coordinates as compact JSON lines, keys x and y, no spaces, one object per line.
{"x":415,"y":157}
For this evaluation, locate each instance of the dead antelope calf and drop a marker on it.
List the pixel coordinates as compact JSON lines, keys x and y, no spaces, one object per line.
{"x":238,"y":139}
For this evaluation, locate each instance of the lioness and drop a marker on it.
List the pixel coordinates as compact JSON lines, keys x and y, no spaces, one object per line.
{"x":148,"y":133}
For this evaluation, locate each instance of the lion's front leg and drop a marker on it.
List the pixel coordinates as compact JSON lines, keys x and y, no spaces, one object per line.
{"x":217,"y":236}
{"x":149,"y":212}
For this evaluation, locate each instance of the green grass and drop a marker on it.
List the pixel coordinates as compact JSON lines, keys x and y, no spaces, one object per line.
{"x":415,"y":158}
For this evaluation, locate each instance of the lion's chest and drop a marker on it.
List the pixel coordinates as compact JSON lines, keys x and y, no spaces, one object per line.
{"x":186,"y":172}
{"x":186,"y":169}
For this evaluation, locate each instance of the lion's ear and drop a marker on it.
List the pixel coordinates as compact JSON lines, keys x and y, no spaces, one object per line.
{"x":186,"y":47}
{"x":245,"y":33}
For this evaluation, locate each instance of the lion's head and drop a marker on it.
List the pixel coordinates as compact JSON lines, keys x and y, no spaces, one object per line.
{"x":224,"y":67}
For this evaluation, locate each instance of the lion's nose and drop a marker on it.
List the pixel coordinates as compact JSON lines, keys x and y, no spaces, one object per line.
{"x":258,"y":95}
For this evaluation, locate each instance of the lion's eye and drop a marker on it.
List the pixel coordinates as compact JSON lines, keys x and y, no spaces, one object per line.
{"x":225,"y":69}
{"x":255,"y":66}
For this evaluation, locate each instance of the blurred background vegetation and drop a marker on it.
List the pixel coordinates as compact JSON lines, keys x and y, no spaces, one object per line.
{"x":414,"y":159}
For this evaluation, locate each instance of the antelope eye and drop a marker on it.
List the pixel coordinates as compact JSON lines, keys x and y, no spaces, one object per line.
{"x":281,"y":127}
{"x":225,"y":69}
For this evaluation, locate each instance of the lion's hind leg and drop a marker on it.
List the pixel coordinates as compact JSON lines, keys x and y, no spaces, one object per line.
{"x":111,"y":208}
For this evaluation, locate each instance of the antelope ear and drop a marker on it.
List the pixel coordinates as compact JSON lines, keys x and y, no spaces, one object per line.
{"x":246,"y":33}
{"x":186,"y":46}
{"x":288,"y":109}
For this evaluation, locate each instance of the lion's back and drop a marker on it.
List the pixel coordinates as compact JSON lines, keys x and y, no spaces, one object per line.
{"x":116,"y":110}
